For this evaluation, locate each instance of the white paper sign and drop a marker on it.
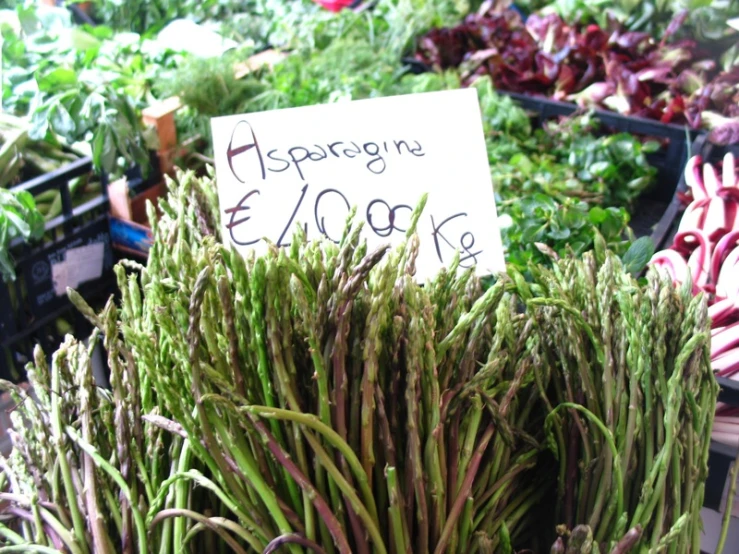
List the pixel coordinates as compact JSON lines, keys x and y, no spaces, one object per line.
{"x":81,"y":264}
{"x":310,"y":165}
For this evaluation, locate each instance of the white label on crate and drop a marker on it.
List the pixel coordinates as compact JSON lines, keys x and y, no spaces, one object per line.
{"x":311,"y":165}
{"x":81,"y":264}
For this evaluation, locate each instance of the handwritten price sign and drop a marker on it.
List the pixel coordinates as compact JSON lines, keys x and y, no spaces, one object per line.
{"x":309,"y":166}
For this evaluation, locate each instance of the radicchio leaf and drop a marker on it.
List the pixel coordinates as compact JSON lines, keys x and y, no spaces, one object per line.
{"x":725,"y":133}
{"x":675,"y":24}
{"x":673,"y":82}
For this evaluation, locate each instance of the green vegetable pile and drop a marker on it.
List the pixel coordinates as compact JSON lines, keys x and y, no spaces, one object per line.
{"x":22,"y":159}
{"x":566,"y":159}
{"x":561,"y":185}
{"x":318,"y":398}
{"x":81,"y":85}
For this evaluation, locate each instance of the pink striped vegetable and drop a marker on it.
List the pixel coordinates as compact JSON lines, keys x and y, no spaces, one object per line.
{"x":706,"y":249}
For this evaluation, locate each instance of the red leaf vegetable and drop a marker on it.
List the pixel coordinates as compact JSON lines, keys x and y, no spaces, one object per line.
{"x":672,"y":81}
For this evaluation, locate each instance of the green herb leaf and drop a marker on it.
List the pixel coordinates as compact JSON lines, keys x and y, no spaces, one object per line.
{"x":533,"y":232}
{"x":39,"y":123}
{"x":597,"y":215}
{"x":61,"y":77}
{"x":638,"y":255}
{"x":61,"y":122}
{"x":557,"y":231}
{"x":103,"y":149}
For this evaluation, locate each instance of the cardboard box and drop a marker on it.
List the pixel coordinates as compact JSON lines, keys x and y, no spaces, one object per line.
{"x":129,"y":227}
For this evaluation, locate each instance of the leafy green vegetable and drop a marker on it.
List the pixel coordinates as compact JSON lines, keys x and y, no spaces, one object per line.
{"x":565,"y":159}
{"x":638,"y":255}
{"x":501,"y":114}
{"x":19,"y":218}
{"x":210,"y":86}
{"x":560,"y":188}
{"x":150,"y":16}
{"x":570,"y":227}
{"x":82,"y":84}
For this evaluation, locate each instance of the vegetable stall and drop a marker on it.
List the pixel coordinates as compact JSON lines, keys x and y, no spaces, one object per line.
{"x":492,"y":417}
{"x":318,"y":398}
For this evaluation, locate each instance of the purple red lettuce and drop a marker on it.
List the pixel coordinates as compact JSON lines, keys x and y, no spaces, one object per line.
{"x":672,"y":81}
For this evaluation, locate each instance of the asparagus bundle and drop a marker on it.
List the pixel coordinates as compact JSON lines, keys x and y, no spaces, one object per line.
{"x":318,"y":398}
{"x":630,"y":402}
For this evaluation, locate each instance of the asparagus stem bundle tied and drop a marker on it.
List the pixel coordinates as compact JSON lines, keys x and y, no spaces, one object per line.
{"x":318,"y":399}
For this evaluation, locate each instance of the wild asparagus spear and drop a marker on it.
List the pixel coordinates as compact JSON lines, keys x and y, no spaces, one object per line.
{"x":319,"y":398}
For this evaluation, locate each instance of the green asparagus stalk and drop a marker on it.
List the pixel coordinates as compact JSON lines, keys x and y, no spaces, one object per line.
{"x":318,"y":398}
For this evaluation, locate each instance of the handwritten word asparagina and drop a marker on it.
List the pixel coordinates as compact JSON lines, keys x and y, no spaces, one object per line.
{"x":374,"y":155}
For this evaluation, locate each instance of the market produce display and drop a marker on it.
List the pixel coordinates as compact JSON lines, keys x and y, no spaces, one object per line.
{"x":62,"y":86}
{"x":625,"y":71}
{"x":89,"y":83}
{"x":84,"y":87}
{"x":558,"y":185}
{"x":584,"y":172}
{"x":21,"y":158}
{"x":319,"y":398}
{"x":22,"y":215}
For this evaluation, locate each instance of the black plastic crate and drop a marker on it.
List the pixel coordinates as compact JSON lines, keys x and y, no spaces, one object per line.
{"x":30,"y":298}
{"x":49,"y":332}
{"x":31,"y":304}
